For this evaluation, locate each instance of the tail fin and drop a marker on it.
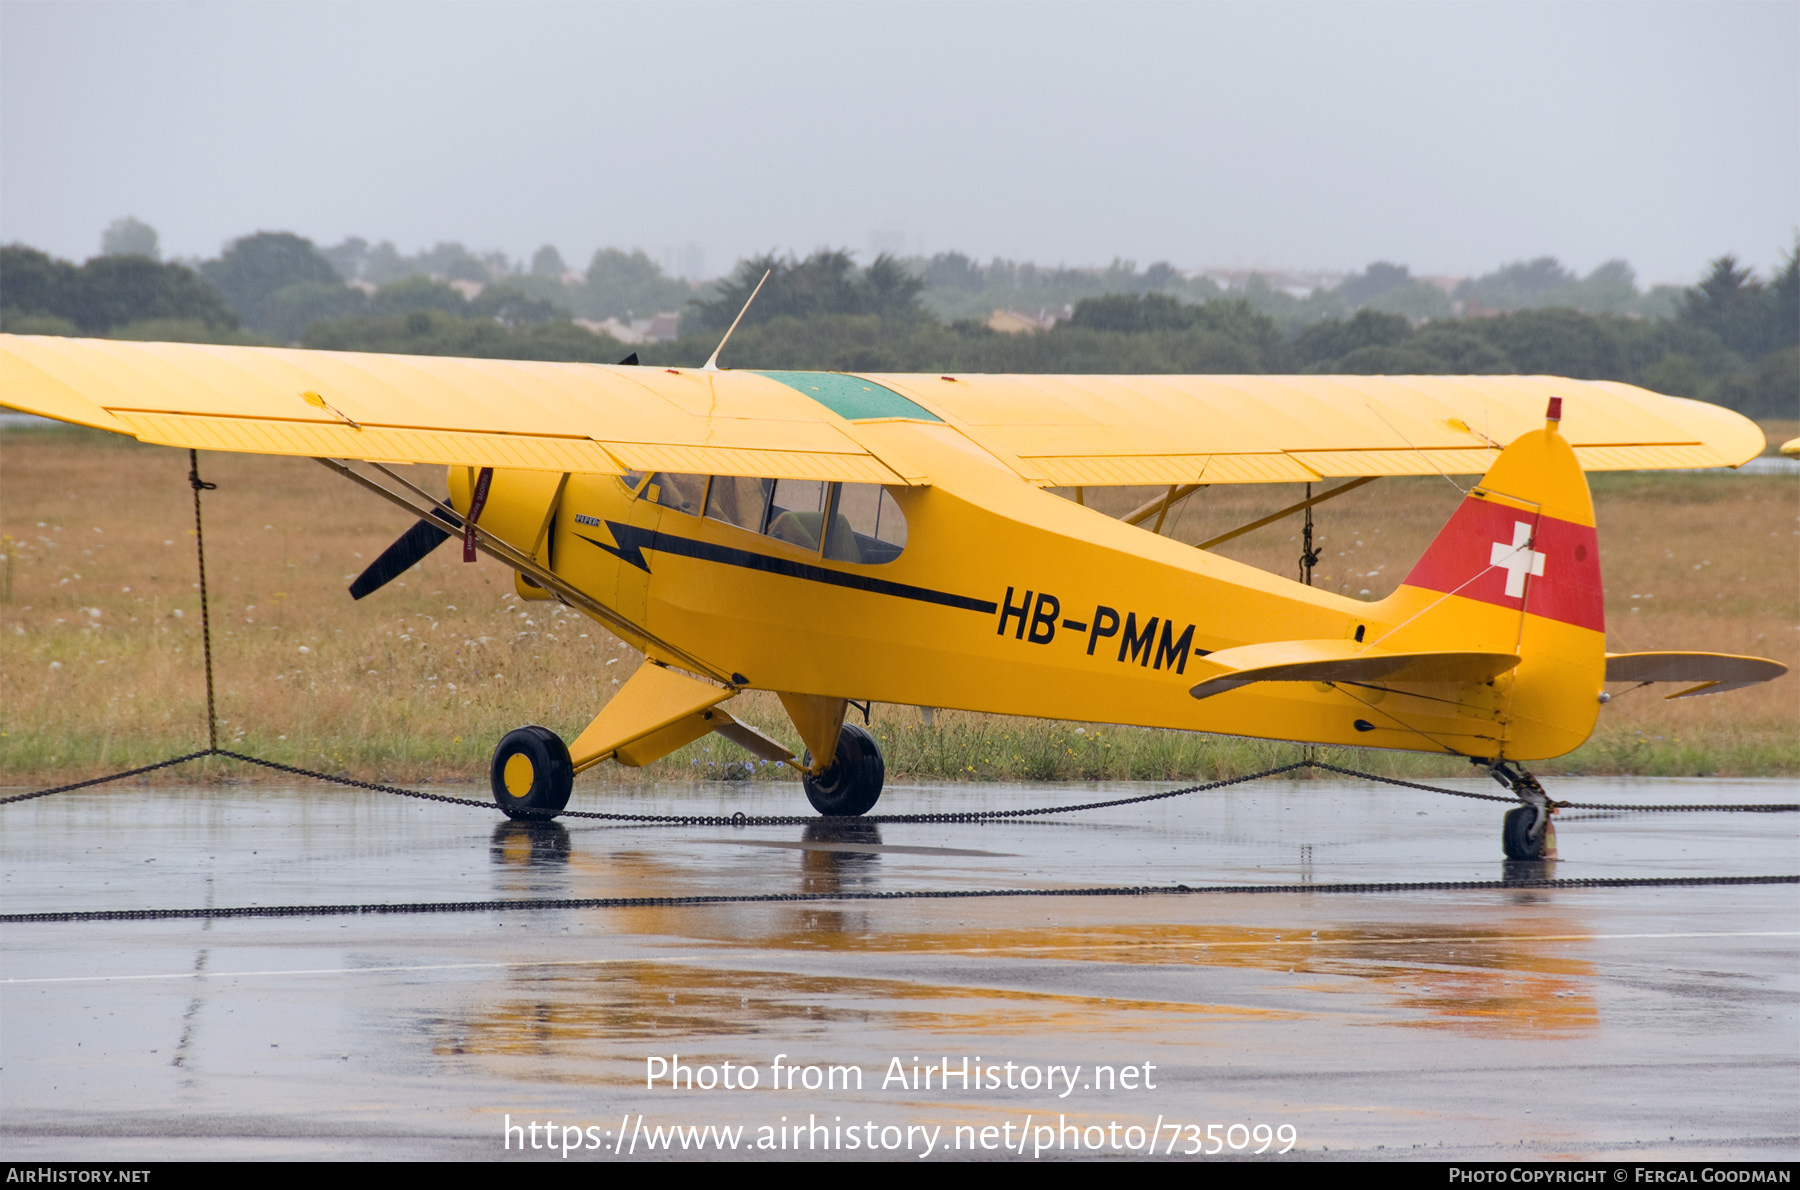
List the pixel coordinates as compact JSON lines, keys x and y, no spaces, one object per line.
{"x":1523,"y":539}
{"x":1517,"y":569}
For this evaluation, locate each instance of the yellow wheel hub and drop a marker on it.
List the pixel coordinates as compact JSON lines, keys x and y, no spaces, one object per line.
{"x":518,"y":774}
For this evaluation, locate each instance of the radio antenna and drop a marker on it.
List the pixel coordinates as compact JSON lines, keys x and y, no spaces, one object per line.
{"x":712,"y":364}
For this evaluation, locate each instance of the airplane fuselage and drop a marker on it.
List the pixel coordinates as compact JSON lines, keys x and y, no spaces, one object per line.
{"x":1009,"y":599}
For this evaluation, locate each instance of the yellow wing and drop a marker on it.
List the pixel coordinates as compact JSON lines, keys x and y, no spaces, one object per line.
{"x":1099,"y":430}
{"x":426,"y":409}
{"x":1061,"y":430}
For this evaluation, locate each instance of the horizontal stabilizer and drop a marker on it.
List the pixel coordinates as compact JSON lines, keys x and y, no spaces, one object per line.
{"x":1715,"y":672}
{"x":1344,"y":661}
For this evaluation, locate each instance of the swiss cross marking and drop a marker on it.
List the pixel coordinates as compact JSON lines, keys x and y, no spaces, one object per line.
{"x":1519,"y":559}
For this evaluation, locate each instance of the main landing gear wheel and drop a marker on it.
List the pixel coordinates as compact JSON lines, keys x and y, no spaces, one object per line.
{"x":852,"y":784}
{"x":531,"y":774}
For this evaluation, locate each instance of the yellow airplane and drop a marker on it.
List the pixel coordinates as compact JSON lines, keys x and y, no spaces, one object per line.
{"x":835,"y":537}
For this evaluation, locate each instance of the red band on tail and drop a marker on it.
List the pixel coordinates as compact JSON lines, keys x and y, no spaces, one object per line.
{"x":1514,"y":559}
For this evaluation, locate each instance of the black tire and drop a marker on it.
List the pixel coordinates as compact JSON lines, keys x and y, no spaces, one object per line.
{"x":1515,"y":834}
{"x":531,"y":773}
{"x":852,"y":784}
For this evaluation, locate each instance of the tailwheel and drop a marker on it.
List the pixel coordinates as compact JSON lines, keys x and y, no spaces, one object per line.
{"x":531,"y":773}
{"x":1516,"y":838}
{"x":852,"y":784}
{"x":1527,"y":832}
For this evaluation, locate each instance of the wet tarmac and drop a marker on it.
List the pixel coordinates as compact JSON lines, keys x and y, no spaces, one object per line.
{"x":1636,"y":1023}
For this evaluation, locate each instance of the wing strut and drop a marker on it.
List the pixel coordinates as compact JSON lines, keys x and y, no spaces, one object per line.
{"x":1290,"y":510}
{"x":422,"y":504}
{"x":1158,"y":507}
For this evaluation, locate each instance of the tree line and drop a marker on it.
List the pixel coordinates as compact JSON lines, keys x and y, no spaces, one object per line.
{"x":1732,"y":338}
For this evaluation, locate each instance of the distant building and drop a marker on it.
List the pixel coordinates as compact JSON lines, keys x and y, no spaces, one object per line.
{"x":658,"y":328}
{"x":1295,"y":282}
{"x":612,"y":328}
{"x":1026,"y":322}
{"x":469,"y":289}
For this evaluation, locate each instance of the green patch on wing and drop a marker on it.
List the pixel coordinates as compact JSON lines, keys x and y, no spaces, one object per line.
{"x":851,"y":397}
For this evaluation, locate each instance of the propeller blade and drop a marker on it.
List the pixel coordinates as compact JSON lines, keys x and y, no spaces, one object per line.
{"x":397,"y":559}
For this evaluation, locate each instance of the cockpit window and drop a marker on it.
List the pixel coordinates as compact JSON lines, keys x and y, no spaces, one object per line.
{"x":740,"y":501}
{"x":798,"y":511}
{"x":867,"y":525}
{"x":860,"y":522}
{"x":632,"y":480}
{"x":683,"y":493}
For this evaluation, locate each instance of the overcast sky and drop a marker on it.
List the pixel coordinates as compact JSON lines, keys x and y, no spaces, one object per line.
{"x":1448,"y":137}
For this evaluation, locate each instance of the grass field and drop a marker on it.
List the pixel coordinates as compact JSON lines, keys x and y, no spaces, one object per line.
{"x":100,"y":624}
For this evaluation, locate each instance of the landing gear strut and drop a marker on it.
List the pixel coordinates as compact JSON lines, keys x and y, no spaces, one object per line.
{"x":852,"y":784}
{"x":1525,"y":833}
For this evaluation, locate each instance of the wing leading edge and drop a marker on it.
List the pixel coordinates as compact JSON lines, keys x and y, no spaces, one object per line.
{"x":1051,"y":430}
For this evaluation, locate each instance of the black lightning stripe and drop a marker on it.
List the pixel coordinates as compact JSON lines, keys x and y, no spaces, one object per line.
{"x":633,"y":541}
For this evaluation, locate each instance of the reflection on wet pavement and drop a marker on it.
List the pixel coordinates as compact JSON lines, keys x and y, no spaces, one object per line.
{"x":525,"y":844}
{"x":1624,"y":1016}
{"x":649,"y":1000}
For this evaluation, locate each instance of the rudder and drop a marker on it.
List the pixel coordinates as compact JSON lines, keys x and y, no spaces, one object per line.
{"x":1518,"y":566}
